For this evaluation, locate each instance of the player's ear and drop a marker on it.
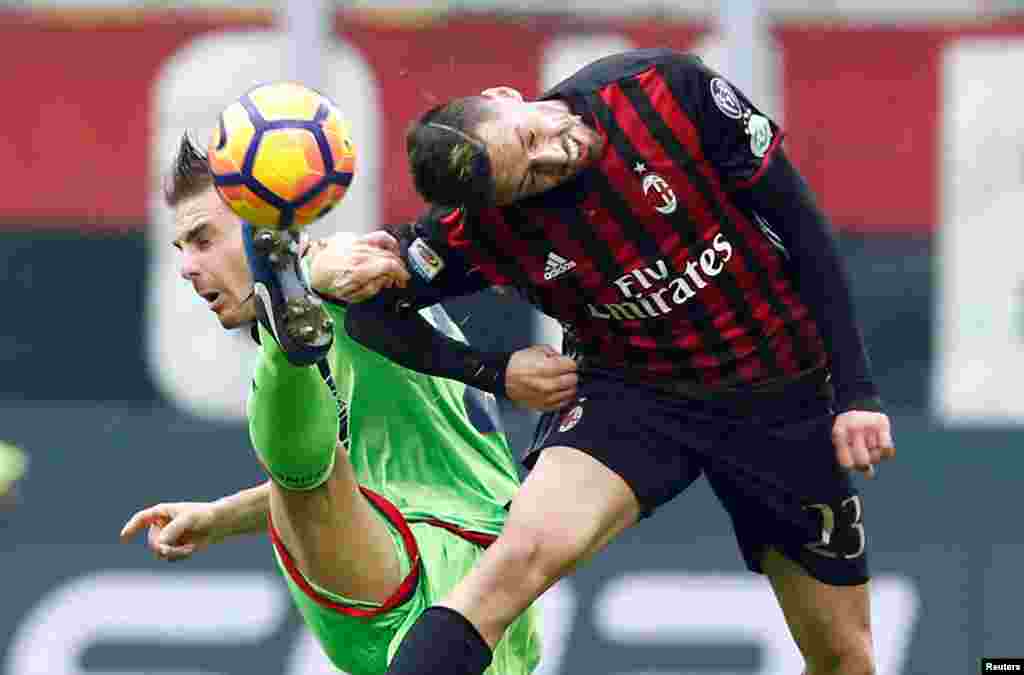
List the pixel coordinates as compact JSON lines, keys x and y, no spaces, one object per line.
{"x":502,"y":92}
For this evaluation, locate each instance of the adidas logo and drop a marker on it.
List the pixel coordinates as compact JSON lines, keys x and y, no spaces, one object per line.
{"x":555,"y":266}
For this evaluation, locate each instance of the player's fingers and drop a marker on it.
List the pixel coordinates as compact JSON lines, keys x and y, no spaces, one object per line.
{"x":552,"y":402}
{"x":360,"y":266}
{"x":560,"y":365}
{"x":381,"y":240}
{"x":176,"y":531}
{"x":379,"y":284}
{"x":859,"y":452}
{"x":384,"y":262}
{"x":369,"y":289}
{"x":357,"y":264}
{"x":133,"y":525}
{"x":547,"y":350}
{"x":401,"y":274}
{"x":885,"y":443}
{"x":568,"y":383}
{"x":356,"y":292}
{"x":562,"y":400}
{"x":881,"y":444}
{"x":564,"y":384}
{"x":153,"y":537}
{"x":371,"y":253}
{"x":871,"y":441}
{"x":140,"y":520}
{"x":366,"y":281}
{"x":842,"y":444}
{"x":173,"y":553}
{"x":559,"y":390}
{"x":349,"y":287}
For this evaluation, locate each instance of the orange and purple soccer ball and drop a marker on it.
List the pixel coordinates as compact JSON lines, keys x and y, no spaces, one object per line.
{"x":282,"y":156}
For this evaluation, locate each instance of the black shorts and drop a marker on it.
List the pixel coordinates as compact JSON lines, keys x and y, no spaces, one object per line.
{"x":768,"y":457}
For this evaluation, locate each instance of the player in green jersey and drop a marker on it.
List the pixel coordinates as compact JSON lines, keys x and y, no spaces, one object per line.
{"x":386,"y":485}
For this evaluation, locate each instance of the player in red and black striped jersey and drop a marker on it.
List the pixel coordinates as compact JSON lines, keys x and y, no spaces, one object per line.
{"x":648,"y":205}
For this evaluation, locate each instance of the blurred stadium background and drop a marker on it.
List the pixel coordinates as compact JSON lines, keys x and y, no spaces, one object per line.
{"x":905,"y":116}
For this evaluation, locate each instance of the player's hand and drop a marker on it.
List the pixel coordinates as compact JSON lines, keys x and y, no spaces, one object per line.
{"x":863,"y":439}
{"x":356,"y":268}
{"x":176,"y":531}
{"x":540,"y":378}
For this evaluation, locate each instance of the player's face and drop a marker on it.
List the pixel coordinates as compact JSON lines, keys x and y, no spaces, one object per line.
{"x":534,"y":146}
{"x":209,"y":236}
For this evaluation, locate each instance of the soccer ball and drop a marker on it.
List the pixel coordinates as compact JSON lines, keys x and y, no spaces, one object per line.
{"x":281,"y":156}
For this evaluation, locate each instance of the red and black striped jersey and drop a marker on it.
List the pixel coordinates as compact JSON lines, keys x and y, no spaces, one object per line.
{"x":645,"y":257}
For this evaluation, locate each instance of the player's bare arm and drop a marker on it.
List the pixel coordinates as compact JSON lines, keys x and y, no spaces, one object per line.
{"x":352,"y":269}
{"x":176,"y":530}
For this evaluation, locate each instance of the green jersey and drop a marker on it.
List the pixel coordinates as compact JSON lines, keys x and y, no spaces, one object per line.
{"x":433,"y":447}
{"x":434,"y":451}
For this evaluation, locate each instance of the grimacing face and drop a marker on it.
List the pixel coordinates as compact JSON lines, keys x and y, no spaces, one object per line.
{"x":534,"y":145}
{"x":208,"y":236}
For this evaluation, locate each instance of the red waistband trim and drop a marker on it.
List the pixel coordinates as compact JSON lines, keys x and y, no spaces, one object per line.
{"x":401,"y":594}
{"x":481,"y":539}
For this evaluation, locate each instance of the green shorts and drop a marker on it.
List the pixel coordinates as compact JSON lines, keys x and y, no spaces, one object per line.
{"x":362,"y":637}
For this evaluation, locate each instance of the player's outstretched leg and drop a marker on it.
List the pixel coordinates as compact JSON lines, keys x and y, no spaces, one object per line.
{"x":293,"y":419}
{"x":284,"y":304}
{"x":335,"y":537}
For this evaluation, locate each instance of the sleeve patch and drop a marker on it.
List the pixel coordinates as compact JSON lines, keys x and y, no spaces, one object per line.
{"x":760,"y":131}
{"x":424,"y":260}
{"x":725,"y":99}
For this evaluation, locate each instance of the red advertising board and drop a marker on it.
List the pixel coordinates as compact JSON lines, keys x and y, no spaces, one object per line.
{"x":862,"y":102}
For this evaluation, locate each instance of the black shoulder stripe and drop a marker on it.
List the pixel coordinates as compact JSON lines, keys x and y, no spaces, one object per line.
{"x":328,"y":377}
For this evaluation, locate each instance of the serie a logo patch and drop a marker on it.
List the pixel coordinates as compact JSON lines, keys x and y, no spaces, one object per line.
{"x":424,"y":260}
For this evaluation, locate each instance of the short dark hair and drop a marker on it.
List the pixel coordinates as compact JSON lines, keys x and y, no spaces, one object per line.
{"x":449,"y":162}
{"x":190,"y":173}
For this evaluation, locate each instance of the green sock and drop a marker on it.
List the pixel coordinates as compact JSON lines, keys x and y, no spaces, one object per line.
{"x":293,"y":419}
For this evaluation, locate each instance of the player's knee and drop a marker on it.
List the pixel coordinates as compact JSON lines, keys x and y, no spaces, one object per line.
{"x":533,"y":555}
{"x":843,"y":652}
